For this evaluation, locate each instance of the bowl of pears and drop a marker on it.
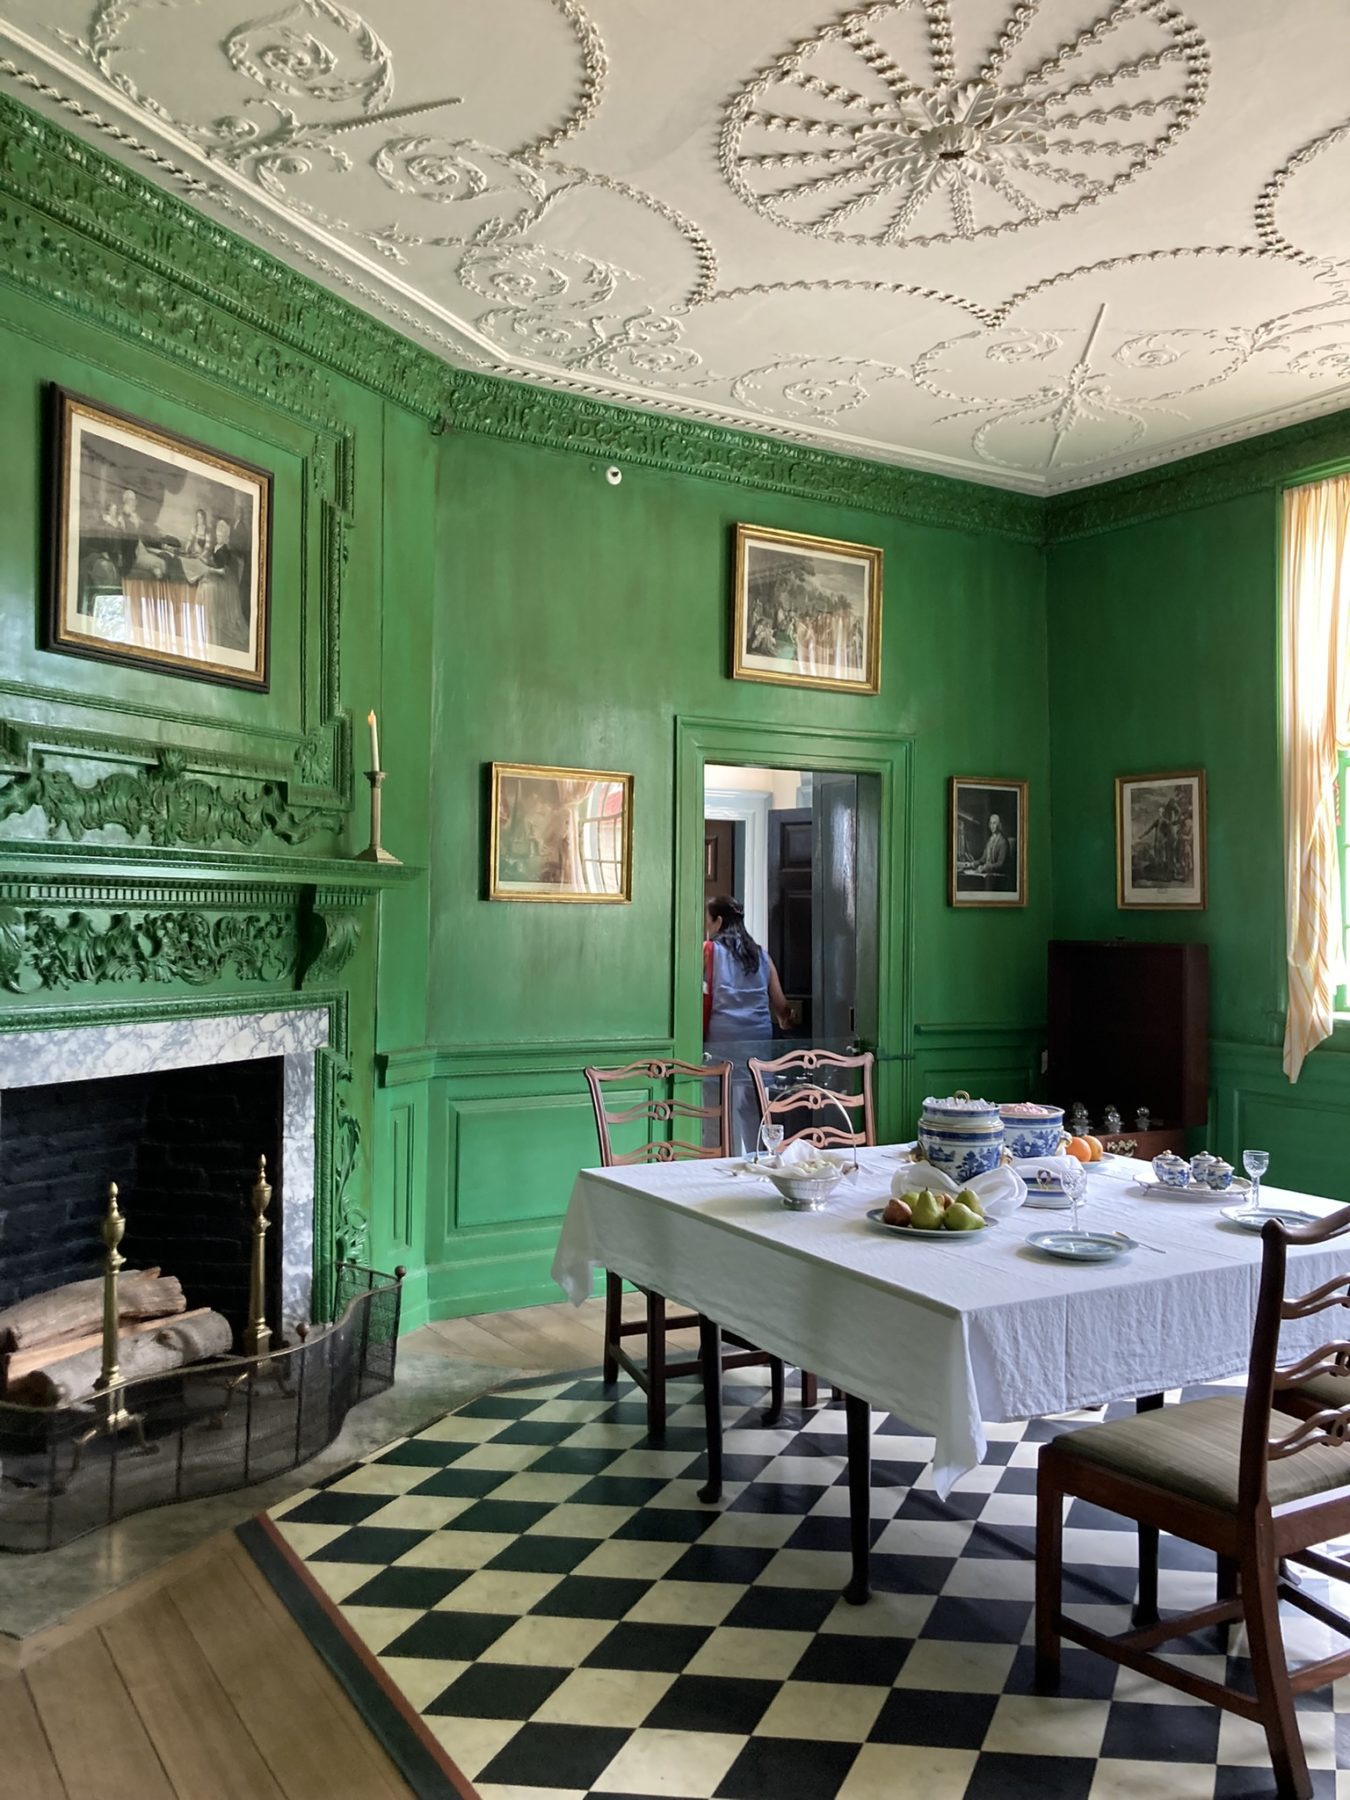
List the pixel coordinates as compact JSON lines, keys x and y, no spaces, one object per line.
{"x":933,"y":1215}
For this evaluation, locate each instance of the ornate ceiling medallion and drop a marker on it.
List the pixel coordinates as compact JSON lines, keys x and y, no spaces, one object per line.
{"x":871,"y":133}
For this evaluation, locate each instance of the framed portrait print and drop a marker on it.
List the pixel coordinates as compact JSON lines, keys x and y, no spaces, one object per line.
{"x":1160,"y":841}
{"x":560,"y":834}
{"x":987,"y":842}
{"x":807,"y":611}
{"x":160,"y":549}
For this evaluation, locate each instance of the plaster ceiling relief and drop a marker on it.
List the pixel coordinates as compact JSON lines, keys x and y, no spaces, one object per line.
{"x":1033,"y":242}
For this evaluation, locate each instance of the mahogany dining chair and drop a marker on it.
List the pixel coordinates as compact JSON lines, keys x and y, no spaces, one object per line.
{"x":1242,"y":1475}
{"x":666,"y":1111}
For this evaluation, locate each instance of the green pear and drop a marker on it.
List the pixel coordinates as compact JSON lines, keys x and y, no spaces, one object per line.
{"x":968,"y":1197}
{"x":926,"y":1211}
{"x":960,"y":1217}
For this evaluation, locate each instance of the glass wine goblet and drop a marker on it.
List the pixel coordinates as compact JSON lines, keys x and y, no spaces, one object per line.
{"x":771,"y":1136}
{"x":1255,"y":1162}
{"x":1075,"y":1182}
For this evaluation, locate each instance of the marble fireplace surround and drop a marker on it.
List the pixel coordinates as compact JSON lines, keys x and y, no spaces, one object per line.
{"x":93,"y":1052}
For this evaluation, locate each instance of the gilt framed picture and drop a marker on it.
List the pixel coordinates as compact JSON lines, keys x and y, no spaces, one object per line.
{"x":806,"y":611}
{"x":987,"y":842}
{"x":1160,"y":842}
{"x":560,"y":834}
{"x":161,"y":549}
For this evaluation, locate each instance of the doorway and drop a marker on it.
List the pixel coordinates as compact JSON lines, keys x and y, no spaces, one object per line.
{"x":798,"y":850}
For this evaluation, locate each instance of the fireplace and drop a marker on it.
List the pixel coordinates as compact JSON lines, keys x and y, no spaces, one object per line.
{"x":182,"y":1146}
{"x":176,"y":1112}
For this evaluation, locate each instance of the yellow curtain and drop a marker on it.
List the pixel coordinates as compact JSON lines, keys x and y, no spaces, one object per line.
{"x":1316,"y":646}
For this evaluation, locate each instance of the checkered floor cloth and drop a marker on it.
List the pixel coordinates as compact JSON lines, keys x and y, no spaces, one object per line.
{"x":553,"y":1603}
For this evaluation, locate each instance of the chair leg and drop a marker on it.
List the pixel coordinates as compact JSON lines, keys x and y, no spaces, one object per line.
{"x":1225,"y":1588}
{"x":656,"y":1367}
{"x":613,"y":1316}
{"x":1049,"y":1580}
{"x":1146,"y":1606}
{"x":1270,"y":1676}
{"x":810,"y":1391}
{"x":776,"y":1391}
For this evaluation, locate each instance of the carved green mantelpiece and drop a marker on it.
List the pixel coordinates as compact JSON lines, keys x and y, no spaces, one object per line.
{"x":162,"y":804}
{"x":41,"y":949}
{"x":330,"y":929}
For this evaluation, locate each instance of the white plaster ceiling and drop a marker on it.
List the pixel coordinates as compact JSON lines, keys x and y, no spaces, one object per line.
{"x":1034,"y":242}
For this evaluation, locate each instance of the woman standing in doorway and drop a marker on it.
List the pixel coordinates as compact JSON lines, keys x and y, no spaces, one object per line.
{"x":742,"y":999}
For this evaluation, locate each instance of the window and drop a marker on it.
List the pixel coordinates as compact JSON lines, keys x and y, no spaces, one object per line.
{"x":1343,"y":862}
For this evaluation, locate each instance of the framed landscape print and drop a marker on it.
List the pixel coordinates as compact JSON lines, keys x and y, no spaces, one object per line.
{"x":560,"y":834}
{"x":807,"y":611}
{"x":1160,"y":841}
{"x":987,"y":842}
{"x":161,"y":549}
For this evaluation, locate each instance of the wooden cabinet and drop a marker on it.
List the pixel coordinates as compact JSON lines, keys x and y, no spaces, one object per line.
{"x":1129,"y":1027}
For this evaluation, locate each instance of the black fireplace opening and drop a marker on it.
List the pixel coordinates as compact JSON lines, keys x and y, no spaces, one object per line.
{"x":182,"y":1146}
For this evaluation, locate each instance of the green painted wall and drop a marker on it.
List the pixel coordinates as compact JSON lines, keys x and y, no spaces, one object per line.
{"x":1164,"y":654}
{"x":447,"y":550}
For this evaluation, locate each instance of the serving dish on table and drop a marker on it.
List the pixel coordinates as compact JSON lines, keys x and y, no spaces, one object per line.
{"x":1254,"y":1218}
{"x":876,"y":1217}
{"x":1083,"y":1246}
{"x":1194,"y":1190}
{"x":805,"y":1185}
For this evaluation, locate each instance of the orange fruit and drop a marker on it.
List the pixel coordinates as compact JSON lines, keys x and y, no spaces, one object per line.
{"x":1095,"y":1145}
{"x":1080,"y":1148}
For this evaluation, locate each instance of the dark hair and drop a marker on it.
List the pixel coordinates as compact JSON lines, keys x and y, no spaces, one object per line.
{"x":733,"y":933}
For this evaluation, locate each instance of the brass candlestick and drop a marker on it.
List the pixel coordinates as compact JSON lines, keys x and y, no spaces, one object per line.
{"x":258,"y":1336}
{"x":110,"y":1382}
{"x":374,"y":851}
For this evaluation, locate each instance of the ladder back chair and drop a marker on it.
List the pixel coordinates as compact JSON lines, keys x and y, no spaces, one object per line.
{"x":1261,"y":1479}
{"x":785,"y":1086}
{"x":691,"y":1118}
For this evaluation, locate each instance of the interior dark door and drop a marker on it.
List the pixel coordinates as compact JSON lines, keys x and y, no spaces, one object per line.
{"x":834,"y":907}
{"x":719,"y":858}
{"x":791,"y":847}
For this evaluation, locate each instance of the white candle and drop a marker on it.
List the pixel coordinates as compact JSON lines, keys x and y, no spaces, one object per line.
{"x":374,"y":743}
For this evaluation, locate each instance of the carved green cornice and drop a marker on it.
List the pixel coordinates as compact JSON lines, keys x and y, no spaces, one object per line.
{"x":496,"y":407}
{"x":49,"y":950}
{"x":211,"y":299}
{"x":162,"y":804}
{"x":1209,"y":479}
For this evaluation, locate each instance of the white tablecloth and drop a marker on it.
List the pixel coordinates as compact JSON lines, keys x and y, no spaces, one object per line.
{"x":943,"y":1334}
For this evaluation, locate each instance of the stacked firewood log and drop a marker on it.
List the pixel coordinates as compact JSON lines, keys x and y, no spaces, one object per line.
{"x":51,"y":1345}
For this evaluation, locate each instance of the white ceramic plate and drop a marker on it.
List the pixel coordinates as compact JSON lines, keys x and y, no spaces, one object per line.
{"x":1254,"y":1220}
{"x":1083,"y":1246}
{"x":912,"y":1231}
{"x":1159,"y":1190}
{"x":1043,"y":1202}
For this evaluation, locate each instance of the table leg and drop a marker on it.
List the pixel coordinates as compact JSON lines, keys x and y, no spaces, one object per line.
{"x":1146,"y":1607}
{"x":710,"y":1356}
{"x":858,"y":1415}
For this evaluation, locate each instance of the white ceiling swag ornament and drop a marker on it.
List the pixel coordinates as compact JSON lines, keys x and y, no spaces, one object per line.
{"x":870,"y":132}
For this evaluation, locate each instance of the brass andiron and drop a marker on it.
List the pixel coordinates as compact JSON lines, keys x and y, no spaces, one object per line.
{"x":258,"y":1336}
{"x":374,"y":851}
{"x":108,"y":1387}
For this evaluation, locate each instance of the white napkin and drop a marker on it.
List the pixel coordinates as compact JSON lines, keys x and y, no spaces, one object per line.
{"x":1061,"y":1167}
{"x":1000,"y":1192}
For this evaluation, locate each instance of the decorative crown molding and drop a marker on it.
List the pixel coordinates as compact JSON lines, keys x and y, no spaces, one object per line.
{"x":229,"y":309}
{"x":1208,"y":479}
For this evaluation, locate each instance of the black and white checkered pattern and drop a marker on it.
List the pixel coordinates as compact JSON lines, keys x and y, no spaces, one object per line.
{"x":547,"y":1591}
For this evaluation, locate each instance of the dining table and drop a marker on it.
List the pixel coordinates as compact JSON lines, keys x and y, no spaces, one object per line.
{"x":948,"y":1332}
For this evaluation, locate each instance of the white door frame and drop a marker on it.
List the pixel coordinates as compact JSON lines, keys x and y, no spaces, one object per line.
{"x":751,"y":809}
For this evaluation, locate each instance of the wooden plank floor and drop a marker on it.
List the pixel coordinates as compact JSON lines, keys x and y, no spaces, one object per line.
{"x":196,"y":1684}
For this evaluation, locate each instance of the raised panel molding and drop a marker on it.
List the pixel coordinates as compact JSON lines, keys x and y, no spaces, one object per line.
{"x":1302,"y":1124}
{"x":513,"y":1160}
